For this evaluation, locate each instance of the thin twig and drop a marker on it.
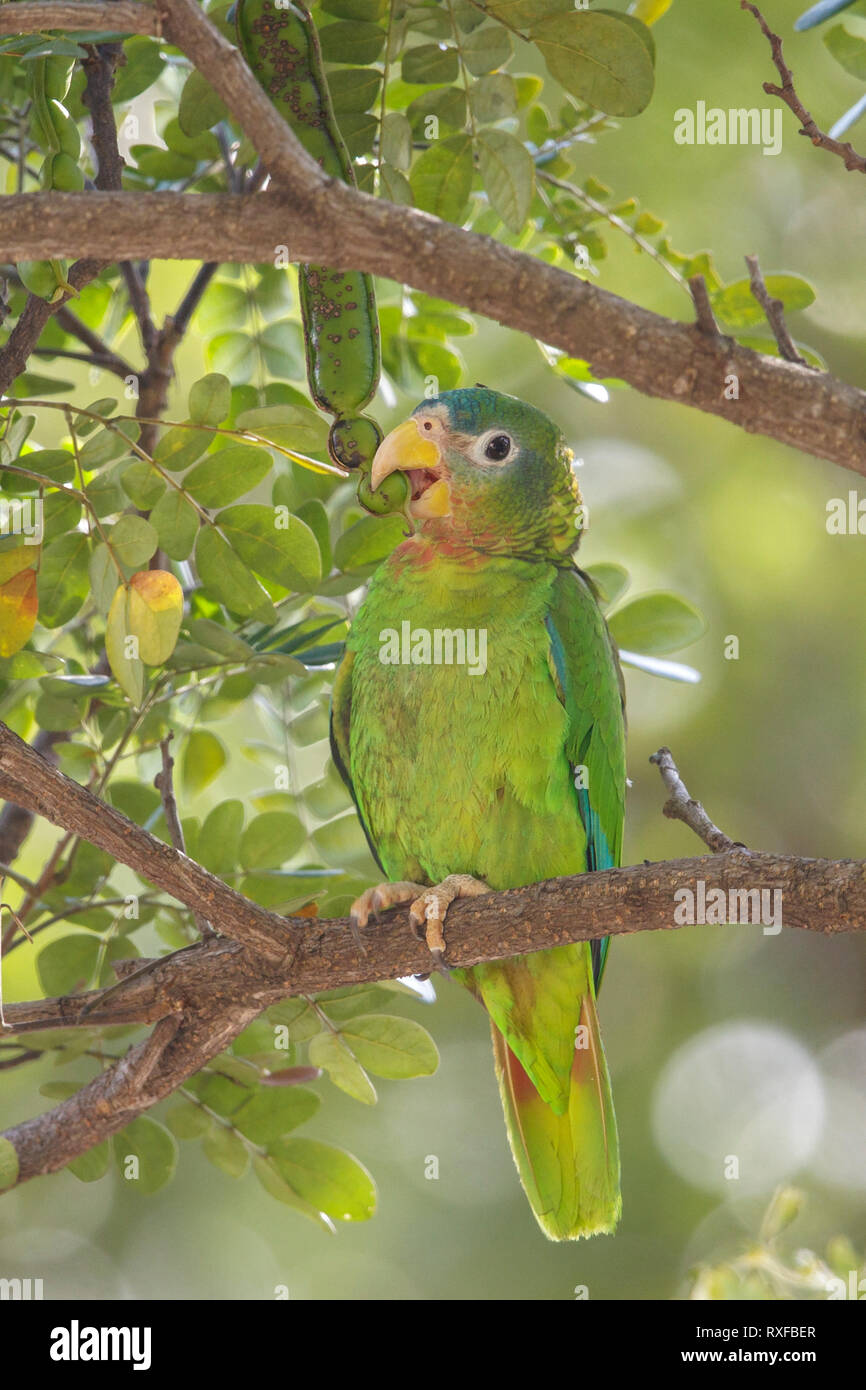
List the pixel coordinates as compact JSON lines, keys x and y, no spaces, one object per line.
{"x":681,"y":806}
{"x":706,"y":321}
{"x":775,"y":312}
{"x":164,"y":783}
{"x":854,"y":162}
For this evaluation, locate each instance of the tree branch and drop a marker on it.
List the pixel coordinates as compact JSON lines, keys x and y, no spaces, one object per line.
{"x":774,"y":310}
{"x":323,"y":220}
{"x":203,"y":996}
{"x":845,"y":151}
{"x":808,"y":410}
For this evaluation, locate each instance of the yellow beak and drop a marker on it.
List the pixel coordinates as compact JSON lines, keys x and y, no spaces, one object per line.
{"x":403,"y":450}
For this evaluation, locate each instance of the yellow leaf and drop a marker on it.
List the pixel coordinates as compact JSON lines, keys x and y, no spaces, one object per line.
{"x":121,"y":646}
{"x":155,"y":611}
{"x":21,"y":557}
{"x":18,"y":607}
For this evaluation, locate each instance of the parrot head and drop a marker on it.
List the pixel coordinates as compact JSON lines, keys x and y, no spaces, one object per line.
{"x":486,"y":471}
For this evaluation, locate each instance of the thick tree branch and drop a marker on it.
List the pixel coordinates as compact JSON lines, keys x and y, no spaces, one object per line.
{"x":323,"y":220}
{"x":808,"y":410}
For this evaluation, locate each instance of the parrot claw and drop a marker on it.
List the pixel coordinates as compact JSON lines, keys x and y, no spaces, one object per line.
{"x":427,"y":913}
{"x":375,"y":900}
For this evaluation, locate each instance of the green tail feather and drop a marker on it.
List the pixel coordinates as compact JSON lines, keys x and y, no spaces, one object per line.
{"x":568,"y":1163}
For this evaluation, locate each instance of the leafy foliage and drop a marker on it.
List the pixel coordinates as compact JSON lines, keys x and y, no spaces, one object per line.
{"x":214,"y":556}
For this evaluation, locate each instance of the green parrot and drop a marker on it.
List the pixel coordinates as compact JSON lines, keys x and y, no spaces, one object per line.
{"x":499,"y":764}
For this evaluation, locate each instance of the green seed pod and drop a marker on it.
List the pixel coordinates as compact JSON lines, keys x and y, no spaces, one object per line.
{"x":62,"y":173}
{"x":339,"y":310}
{"x":391,"y":495}
{"x":39,"y":278}
{"x":65,"y":130}
{"x":58,"y":75}
{"x":353,"y":441}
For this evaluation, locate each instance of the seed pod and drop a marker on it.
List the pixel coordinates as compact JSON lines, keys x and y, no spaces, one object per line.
{"x":338,"y":306}
{"x":391,"y":495}
{"x":58,"y":75}
{"x":353,"y":440}
{"x":62,"y":173}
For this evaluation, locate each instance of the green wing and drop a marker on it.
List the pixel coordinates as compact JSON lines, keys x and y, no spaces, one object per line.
{"x":589,"y":683}
{"x":341,"y":718}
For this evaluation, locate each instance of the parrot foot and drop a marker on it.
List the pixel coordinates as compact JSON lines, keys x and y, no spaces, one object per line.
{"x":376,"y":900}
{"x":427,"y":913}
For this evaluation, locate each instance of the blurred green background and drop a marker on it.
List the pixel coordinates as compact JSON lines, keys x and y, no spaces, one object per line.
{"x":721,"y":1040}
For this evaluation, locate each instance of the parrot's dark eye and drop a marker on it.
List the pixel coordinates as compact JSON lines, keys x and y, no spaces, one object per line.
{"x":497,"y":448}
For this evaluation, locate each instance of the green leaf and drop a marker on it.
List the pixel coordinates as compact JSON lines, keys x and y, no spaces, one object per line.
{"x":187,"y":1121}
{"x":273,"y":543}
{"x":210,"y":399}
{"x":176,"y":523}
{"x":220,"y":835}
{"x":396,"y":141}
{"x":63,"y":582}
{"x":92,"y":1165}
{"x":180,"y":446}
{"x":598,"y":58}
{"x":441,"y":179}
{"x":430,"y":64}
{"x":391,"y":1047}
{"x":328,"y":1051}
{"x":204,"y":757}
{"x":226,"y":577}
{"x":524,"y":13}
{"x":656,"y":623}
{"x":738,"y":307}
{"x":297,"y":1017}
{"x":848,"y":49}
{"x":355,"y":9}
{"x":155,"y":1150}
{"x":270,"y":840}
{"x":352,"y":1000}
{"x":200,"y":108}
{"x":103,"y":577}
{"x":228,"y":474}
{"x":447,"y":104}
{"x":8,"y":1164}
{"x":144,"y":65}
{"x":133,"y":540}
{"x":354,"y":89}
{"x":273,"y":1111}
{"x":508,"y":174}
{"x":313,"y":514}
{"x":67,"y":965}
{"x":394,"y":186}
{"x":142,"y":484}
{"x":486,"y":49}
{"x":493,"y":98}
{"x":610,"y":580}
{"x":330,"y":1179}
{"x":293,"y":426}
{"x":353,"y":41}
{"x":367,"y":542}
{"x":276,"y":1186}
{"x":226,"y":1151}
{"x":108,"y":445}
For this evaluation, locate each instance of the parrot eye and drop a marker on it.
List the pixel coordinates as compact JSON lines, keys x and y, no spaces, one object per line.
{"x":498,"y":448}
